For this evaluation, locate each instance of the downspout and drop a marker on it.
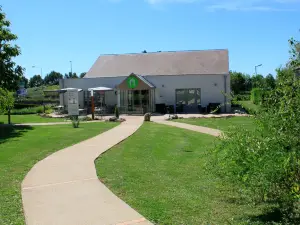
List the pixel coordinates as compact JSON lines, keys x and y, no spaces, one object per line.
{"x":225,"y":93}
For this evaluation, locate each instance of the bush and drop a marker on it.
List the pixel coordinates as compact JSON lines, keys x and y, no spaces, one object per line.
{"x":256,"y":95}
{"x":31,"y":110}
{"x":75,"y":122}
{"x":265,"y":162}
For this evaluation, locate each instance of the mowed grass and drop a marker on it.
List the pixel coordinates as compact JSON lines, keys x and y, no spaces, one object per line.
{"x":161,"y":172}
{"x":32,"y":118}
{"x":224,"y":124}
{"x":22,"y":147}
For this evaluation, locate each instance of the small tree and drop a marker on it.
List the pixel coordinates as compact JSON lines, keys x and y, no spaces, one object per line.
{"x":6,"y":102}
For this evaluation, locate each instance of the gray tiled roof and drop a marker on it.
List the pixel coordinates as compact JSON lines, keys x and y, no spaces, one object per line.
{"x":161,"y":63}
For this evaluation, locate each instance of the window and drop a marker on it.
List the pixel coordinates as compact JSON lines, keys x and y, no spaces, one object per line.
{"x":189,"y":97}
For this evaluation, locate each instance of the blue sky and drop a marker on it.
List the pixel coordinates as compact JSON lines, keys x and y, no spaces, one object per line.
{"x":51,"y":33}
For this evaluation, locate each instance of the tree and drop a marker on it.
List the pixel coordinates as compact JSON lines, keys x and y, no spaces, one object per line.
{"x":270,"y":81}
{"x":6,"y":101}
{"x":82,"y":74}
{"x":53,"y":78}
{"x":36,"y":81}
{"x":144,"y":51}
{"x":70,"y":75}
{"x":238,"y":82}
{"x":10,"y":73}
{"x":258,"y":81}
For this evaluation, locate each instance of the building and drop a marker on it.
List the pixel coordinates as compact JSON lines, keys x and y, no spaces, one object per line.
{"x":145,"y":82}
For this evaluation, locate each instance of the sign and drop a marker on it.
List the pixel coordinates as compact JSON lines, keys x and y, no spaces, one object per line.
{"x":132,"y":82}
{"x":73,"y":106}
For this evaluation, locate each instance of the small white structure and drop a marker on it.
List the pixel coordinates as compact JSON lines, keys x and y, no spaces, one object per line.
{"x":145,"y":82}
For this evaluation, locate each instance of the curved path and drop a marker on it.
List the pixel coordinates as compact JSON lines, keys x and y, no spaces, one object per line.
{"x":63,"y":189}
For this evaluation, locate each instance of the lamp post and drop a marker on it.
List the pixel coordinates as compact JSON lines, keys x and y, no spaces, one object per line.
{"x":39,"y":68}
{"x":71,"y":68}
{"x":256,"y":68}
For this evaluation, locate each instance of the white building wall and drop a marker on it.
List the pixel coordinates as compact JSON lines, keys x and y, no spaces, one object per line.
{"x":212,"y":87}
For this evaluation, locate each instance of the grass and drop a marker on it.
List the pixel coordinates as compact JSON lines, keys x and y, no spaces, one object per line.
{"x":249,"y":106}
{"x":221,"y":123}
{"x":21,"y":148}
{"x":161,"y":172}
{"x":28,"y":119}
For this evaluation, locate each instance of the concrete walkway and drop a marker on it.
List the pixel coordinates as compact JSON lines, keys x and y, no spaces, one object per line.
{"x":205,"y":130}
{"x":63,"y":189}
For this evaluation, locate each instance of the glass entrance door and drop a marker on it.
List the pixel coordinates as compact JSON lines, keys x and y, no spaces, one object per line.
{"x":138,"y":101}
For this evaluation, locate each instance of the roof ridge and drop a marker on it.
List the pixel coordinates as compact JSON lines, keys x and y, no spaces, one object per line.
{"x":141,"y":53}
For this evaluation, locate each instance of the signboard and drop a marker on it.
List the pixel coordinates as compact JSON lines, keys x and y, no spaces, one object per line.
{"x":132,"y":82}
{"x":73,"y":106}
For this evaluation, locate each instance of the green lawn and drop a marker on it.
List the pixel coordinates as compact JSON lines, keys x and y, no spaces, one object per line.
{"x":249,"y":105}
{"x":32,"y":118}
{"x":221,"y":123}
{"x":160,"y":172}
{"x":21,"y":148}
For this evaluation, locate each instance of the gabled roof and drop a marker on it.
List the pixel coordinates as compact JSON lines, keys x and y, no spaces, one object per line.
{"x":209,"y":62}
{"x":143,"y":84}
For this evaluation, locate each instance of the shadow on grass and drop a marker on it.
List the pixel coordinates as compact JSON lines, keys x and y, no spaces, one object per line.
{"x":10,"y":131}
{"x":273,"y":216}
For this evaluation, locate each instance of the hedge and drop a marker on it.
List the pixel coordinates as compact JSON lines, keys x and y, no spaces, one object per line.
{"x":257,"y":95}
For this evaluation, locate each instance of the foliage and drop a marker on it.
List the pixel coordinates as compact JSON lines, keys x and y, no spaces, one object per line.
{"x":82,"y":74}
{"x":270,"y":81}
{"x":10,"y":73}
{"x":32,"y":110}
{"x":36,"y":81}
{"x":117,"y":112}
{"x":53,"y":78}
{"x":258,"y":81}
{"x":238,"y":81}
{"x":6,"y":100}
{"x":70,"y":75}
{"x":256,"y":95}
{"x":75,"y":121}
{"x":265,"y":162}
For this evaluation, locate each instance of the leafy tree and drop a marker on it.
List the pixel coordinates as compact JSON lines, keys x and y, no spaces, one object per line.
{"x":82,"y":74}
{"x":6,"y":100}
{"x":70,"y":75}
{"x":238,"y":82}
{"x":258,"y":81}
{"x":144,"y":51}
{"x":52,"y":78}
{"x":10,"y":73}
{"x":36,"y":81}
{"x":270,"y":81}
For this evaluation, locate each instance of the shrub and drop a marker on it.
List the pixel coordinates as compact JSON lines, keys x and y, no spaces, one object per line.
{"x":75,"y":122}
{"x":147,"y":117}
{"x":256,"y":95}
{"x":32,"y":110}
{"x":265,"y":162}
